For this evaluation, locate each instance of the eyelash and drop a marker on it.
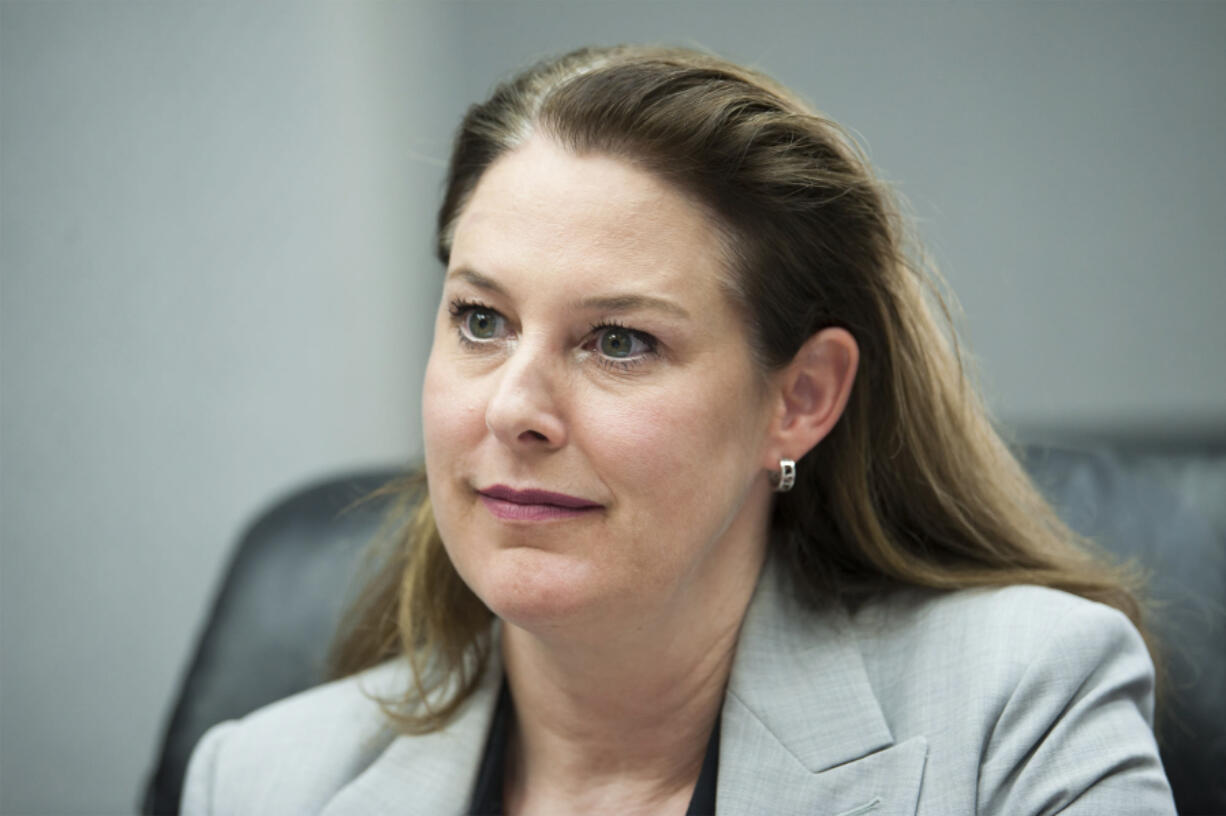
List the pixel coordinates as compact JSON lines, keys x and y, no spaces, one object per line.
{"x":459,"y":309}
{"x":624,"y":365}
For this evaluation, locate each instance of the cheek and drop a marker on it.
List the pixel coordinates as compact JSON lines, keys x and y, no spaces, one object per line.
{"x":683,"y":459}
{"x":435,"y":425}
{"x":451,"y":413}
{"x":452,"y":422}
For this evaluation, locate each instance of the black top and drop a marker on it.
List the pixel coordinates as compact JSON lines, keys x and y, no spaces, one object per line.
{"x":487,"y":793}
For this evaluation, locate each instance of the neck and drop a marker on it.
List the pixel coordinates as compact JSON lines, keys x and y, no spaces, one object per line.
{"x":607,"y":722}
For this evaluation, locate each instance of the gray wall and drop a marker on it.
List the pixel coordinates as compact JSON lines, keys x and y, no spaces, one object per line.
{"x":216,"y":285}
{"x":214,"y":236}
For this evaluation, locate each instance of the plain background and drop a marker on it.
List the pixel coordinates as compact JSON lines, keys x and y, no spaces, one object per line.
{"x":218,"y":281}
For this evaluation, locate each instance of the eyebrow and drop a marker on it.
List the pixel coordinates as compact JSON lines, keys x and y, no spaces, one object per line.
{"x":477,"y":279}
{"x":604,"y":303}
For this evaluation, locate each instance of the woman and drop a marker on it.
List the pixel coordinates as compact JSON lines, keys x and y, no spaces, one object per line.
{"x":715,"y":521}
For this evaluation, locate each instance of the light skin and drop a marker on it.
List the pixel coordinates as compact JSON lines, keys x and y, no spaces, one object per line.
{"x":584,"y":346}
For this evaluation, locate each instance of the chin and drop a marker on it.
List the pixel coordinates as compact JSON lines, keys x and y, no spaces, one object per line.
{"x":536,"y":589}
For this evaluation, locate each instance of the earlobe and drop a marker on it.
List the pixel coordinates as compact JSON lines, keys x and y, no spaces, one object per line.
{"x":814,"y":389}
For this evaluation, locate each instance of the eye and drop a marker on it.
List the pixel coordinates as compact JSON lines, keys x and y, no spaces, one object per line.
{"x":622,"y":344}
{"x":477,"y":324}
{"x":483,"y":324}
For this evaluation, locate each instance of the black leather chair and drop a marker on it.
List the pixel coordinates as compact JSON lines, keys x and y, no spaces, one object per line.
{"x":268,"y":631}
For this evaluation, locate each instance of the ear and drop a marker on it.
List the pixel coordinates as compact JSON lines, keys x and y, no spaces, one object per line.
{"x":812,"y":392}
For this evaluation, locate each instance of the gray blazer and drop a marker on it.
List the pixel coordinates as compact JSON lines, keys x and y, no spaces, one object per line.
{"x":1020,"y":700}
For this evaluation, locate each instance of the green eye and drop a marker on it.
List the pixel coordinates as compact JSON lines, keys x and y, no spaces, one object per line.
{"x":617,"y":343}
{"x":482,"y":324}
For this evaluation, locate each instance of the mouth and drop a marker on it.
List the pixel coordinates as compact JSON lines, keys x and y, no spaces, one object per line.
{"x":509,"y":504}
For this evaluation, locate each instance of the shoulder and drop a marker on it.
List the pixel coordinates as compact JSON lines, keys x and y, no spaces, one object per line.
{"x":995,"y":627}
{"x":999,"y":634}
{"x":293,"y":755}
{"x":1039,"y":695}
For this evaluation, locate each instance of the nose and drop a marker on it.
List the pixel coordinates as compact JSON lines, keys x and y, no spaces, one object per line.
{"x":523,"y":412}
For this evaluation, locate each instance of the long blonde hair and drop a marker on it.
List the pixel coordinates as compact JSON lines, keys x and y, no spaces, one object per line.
{"x":913,"y":487}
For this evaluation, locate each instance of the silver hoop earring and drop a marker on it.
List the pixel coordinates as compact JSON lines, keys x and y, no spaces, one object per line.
{"x":785,"y":479}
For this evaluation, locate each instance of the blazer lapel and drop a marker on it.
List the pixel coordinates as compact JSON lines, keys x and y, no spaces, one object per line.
{"x":802,"y":731}
{"x":430,"y":774}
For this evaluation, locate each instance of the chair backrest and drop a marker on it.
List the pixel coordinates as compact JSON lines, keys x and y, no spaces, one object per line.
{"x":1165,"y":510}
{"x":267,"y":633}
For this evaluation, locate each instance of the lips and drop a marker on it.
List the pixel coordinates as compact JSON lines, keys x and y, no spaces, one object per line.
{"x":507,"y":494}
{"x":509,"y":504}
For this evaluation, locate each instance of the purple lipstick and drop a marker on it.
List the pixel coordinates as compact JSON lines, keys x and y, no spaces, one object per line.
{"x":509,"y":504}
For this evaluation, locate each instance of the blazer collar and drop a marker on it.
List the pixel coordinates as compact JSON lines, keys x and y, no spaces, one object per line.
{"x":802,"y":730}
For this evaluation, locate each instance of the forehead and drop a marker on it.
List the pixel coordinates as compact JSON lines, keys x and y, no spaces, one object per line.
{"x":592,"y":220}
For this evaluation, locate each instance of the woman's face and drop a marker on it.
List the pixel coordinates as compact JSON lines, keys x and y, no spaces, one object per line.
{"x":595,"y":428}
